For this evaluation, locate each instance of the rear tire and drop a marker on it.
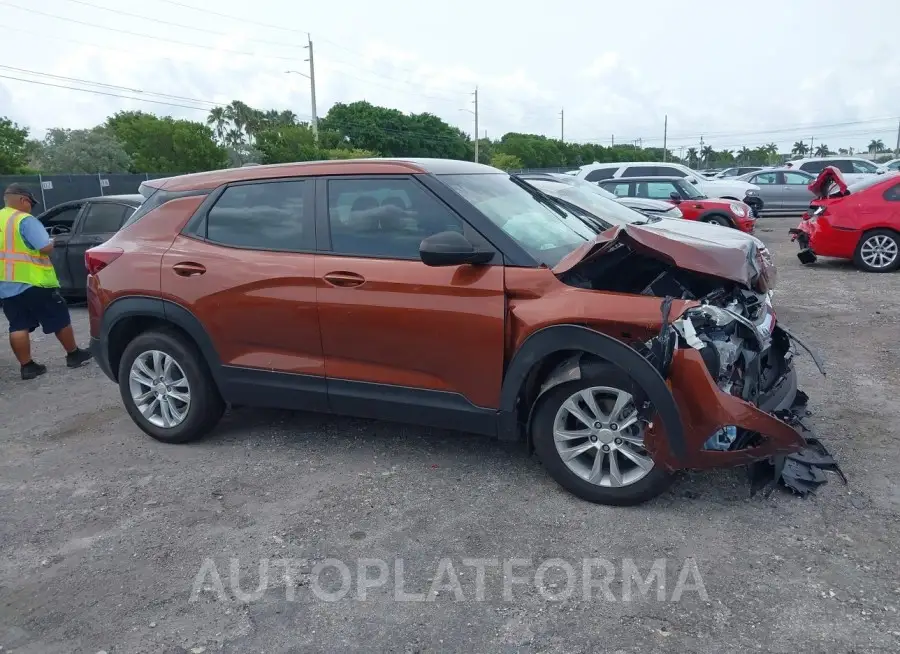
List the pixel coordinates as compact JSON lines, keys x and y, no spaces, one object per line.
{"x":717,"y":219}
{"x":620,"y":483}
{"x":162,"y":366}
{"x":878,"y":251}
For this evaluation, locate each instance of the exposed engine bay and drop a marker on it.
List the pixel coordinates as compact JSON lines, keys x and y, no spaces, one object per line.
{"x":745,"y":352}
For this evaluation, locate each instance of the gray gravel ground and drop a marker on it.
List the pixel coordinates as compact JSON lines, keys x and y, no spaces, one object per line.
{"x":104,"y":531}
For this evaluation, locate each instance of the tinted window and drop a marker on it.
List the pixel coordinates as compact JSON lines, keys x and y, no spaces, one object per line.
{"x":620,"y":189}
{"x":668,"y":171}
{"x":656,"y":190}
{"x":863,"y":167}
{"x":766,"y":178}
{"x":814,"y":167}
{"x":384,"y":217}
{"x":640,"y":171}
{"x":749,"y":169}
{"x":600,"y":173}
{"x":893,"y":193}
{"x":103,"y":218}
{"x":265,"y":215}
{"x":797,"y":178}
{"x":64,"y":218}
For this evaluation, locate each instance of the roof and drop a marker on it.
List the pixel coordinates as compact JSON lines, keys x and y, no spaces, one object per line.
{"x":135,"y":198}
{"x":646,"y":178}
{"x":395,"y":166}
{"x":616,"y":164}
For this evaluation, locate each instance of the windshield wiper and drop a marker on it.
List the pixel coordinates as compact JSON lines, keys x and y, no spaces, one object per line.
{"x":539,"y":195}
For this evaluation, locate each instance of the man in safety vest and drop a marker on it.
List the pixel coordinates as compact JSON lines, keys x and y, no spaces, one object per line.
{"x":28,"y":283}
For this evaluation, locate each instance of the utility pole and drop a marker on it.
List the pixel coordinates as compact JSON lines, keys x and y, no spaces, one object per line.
{"x":612,"y":141}
{"x":562,"y":125}
{"x":812,"y":140}
{"x":665,"y":135}
{"x":700,"y":153}
{"x":897,"y":149}
{"x":476,"y":124}
{"x":312,"y":89}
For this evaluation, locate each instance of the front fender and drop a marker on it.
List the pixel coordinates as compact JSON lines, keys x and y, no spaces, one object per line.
{"x":567,"y":338}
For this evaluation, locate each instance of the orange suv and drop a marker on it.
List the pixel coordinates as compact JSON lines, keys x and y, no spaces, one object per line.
{"x":451,"y":294}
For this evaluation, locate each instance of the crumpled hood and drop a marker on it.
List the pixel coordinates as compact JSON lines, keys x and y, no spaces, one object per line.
{"x":707,"y":249}
{"x":828,"y":181}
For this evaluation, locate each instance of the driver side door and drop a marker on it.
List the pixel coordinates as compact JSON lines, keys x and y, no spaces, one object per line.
{"x":60,"y":224}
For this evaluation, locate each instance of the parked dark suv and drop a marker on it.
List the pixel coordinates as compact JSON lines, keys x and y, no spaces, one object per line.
{"x":452,"y":294}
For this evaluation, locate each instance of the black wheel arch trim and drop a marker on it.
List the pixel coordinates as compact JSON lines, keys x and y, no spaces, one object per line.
{"x":715,"y":212}
{"x":559,"y":338}
{"x":155,"y":307}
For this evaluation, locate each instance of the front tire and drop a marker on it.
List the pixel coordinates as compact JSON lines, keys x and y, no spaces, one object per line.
{"x":589,"y":437}
{"x":878,"y":251}
{"x":718,"y":220}
{"x":167,"y":388}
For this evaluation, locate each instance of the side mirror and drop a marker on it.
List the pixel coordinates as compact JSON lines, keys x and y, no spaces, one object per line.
{"x":880,"y":172}
{"x":451,"y":249}
{"x":693,"y":180}
{"x":675,"y":197}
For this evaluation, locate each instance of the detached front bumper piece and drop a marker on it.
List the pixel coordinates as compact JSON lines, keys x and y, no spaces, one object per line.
{"x":806,"y":254}
{"x":801,"y":472}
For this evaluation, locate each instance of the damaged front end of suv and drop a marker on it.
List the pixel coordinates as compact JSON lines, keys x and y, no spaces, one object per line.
{"x":726,"y":360}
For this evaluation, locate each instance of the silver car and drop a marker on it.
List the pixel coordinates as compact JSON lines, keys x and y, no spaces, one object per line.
{"x":782,"y":190}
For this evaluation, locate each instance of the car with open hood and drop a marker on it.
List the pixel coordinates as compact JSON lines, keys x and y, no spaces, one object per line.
{"x":859,"y":221}
{"x":692,"y":203}
{"x":450,"y":294}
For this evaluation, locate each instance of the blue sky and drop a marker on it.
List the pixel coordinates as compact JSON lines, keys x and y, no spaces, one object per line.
{"x":736,"y":73}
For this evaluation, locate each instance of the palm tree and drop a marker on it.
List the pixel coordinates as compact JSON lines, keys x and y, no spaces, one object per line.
{"x":287,"y":117}
{"x":745,"y":154}
{"x":692,"y":156}
{"x":843,"y":151}
{"x":822,"y":150}
{"x":218,"y":120}
{"x":800,"y":148}
{"x":876,"y":146}
{"x":771,"y":151}
{"x":706,"y":153}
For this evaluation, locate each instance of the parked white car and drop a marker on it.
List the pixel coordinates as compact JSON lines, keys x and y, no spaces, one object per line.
{"x":853,"y":169}
{"x":714,"y":188}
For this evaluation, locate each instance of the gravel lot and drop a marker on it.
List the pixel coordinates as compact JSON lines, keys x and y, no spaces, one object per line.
{"x":104,"y":531}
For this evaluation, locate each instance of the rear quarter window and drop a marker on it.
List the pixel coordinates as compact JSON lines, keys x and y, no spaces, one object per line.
{"x":600,"y":173}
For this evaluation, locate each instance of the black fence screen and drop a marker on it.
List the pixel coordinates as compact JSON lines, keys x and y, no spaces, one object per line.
{"x":56,"y":189}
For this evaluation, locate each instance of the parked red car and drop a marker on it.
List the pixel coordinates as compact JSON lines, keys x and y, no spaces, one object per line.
{"x":689,"y":199}
{"x":859,"y":222}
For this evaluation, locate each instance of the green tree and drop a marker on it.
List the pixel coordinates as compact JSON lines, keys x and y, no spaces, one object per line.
{"x":13,"y":147}
{"x":707,"y":154}
{"x":745,"y":155}
{"x":290,"y":143}
{"x":692,"y":157}
{"x":81,"y":151}
{"x":506,"y":161}
{"x":822,"y":150}
{"x":166,"y":145}
{"x":876,"y":146}
{"x":800,"y":148}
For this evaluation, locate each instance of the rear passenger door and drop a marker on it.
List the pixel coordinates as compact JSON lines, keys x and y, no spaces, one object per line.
{"x":243,"y":266}
{"x":797,"y":195}
{"x":399,"y":336}
{"x":97,"y":224}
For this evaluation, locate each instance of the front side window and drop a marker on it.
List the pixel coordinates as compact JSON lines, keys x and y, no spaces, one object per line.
{"x":592,"y":199}
{"x":62,"y":220}
{"x":262,"y":215}
{"x":104,"y":218}
{"x":656,"y":190}
{"x":864,"y":167}
{"x":618,"y":189}
{"x":797,"y":179}
{"x":690,"y":191}
{"x":546,"y":234}
{"x":766,"y":178}
{"x":817,"y":167}
{"x":600,"y":173}
{"x":386,"y":217}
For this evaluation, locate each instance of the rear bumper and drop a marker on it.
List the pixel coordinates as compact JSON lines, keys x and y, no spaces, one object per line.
{"x":818,"y":237}
{"x":100,"y":356}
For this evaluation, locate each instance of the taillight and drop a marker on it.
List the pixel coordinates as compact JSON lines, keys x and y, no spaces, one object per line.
{"x":96,"y":259}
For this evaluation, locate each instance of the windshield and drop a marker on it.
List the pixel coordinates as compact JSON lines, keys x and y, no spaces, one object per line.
{"x":546,"y":235}
{"x":692,"y":192}
{"x":593,"y":199}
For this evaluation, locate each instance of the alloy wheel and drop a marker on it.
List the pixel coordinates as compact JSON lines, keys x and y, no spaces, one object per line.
{"x":160,"y":389}
{"x":600,"y":438}
{"x":879,"y":251}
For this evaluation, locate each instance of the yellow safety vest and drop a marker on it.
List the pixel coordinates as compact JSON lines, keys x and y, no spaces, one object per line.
{"x":18,"y":262}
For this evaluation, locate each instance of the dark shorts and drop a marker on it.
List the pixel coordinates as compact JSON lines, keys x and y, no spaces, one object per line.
{"x":37,"y":306}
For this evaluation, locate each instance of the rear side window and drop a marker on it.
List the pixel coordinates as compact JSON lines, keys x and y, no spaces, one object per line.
{"x":600,"y":173}
{"x":797,"y":179}
{"x":893,"y":193}
{"x":620,"y":189}
{"x":103,"y":218}
{"x":817,"y":167}
{"x":765,"y":178}
{"x":668,"y":171}
{"x":264,"y":216}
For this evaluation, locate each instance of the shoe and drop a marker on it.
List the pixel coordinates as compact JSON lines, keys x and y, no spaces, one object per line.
{"x":78,"y":358}
{"x":31,"y":370}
